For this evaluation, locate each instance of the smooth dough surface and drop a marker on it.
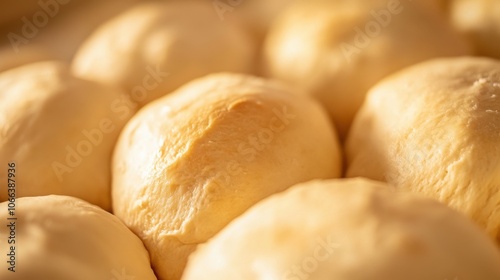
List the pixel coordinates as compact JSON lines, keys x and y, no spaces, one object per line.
{"x":154,"y":48}
{"x":60,"y":131}
{"x":349,"y":229}
{"x":189,"y":163}
{"x":337,"y":50}
{"x":479,"y":20}
{"x":434,"y":129}
{"x":62,"y":237}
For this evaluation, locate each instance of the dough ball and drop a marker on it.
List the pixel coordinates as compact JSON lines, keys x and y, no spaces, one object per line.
{"x":434,"y":129}
{"x":479,"y":20}
{"x":60,"y":131}
{"x":61,"y":237}
{"x":337,"y":50}
{"x":351,"y":229}
{"x":189,"y":163}
{"x":153,"y":48}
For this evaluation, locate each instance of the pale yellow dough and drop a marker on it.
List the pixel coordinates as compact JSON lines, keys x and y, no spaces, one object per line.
{"x":434,"y":129}
{"x":337,"y":50}
{"x":189,"y":163}
{"x":350,"y":229}
{"x":479,"y":20}
{"x":60,"y":131}
{"x":62,"y":237}
{"x":153,"y":48}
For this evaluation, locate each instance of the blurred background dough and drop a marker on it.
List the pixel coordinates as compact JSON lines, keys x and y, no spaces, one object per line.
{"x":60,"y":37}
{"x":336,"y":50}
{"x":350,"y":229}
{"x":258,"y":15}
{"x":189,"y":163}
{"x":180,"y":40}
{"x":61,"y":238}
{"x":9,"y":58}
{"x":439,"y":6}
{"x":434,"y":129}
{"x":479,"y":20}
{"x":60,"y":131}
{"x":12,"y":12}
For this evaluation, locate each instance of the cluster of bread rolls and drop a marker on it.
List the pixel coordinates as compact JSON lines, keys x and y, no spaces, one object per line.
{"x":250,"y":139}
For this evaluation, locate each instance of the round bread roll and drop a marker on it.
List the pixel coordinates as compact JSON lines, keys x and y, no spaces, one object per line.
{"x":434,"y":129}
{"x":61,"y":237}
{"x":336,"y":50}
{"x":153,"y":48}
{"x":60,"y":131}
{"x":479,"y":20}
{"x":351,"y":229}
{"x":189,"y":163}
